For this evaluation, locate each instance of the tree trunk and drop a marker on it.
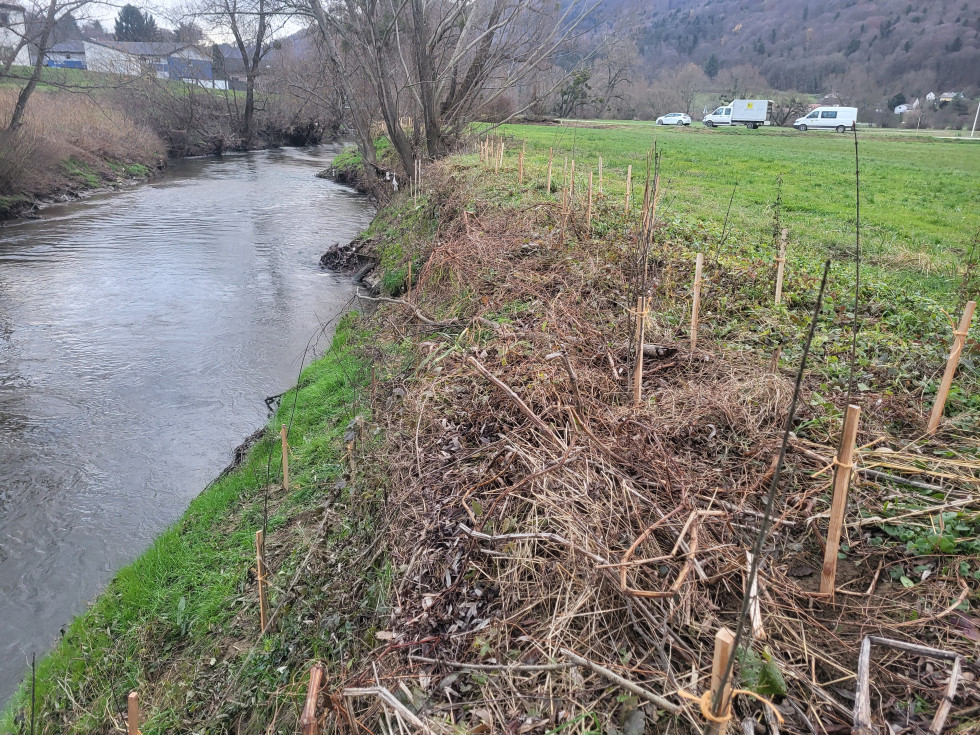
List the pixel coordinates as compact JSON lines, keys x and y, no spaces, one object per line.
{"x":17,"y":118}
{"x":362,"y":123}
{"x":427,"y":82}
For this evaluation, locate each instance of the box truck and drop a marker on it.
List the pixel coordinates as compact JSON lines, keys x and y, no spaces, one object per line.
{"x":828,"y":118}
{"x":750,"y":113}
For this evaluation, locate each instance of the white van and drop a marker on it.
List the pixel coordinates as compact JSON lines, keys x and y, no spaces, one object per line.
{"x":828,"y":118}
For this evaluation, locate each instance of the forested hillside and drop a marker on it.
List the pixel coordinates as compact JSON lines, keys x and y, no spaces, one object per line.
{"x":910,"y":46}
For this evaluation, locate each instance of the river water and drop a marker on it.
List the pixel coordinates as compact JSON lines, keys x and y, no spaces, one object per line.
{"x":139,"y":334}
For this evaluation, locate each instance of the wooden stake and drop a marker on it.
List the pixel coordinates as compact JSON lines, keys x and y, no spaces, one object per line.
{"x":959,"y":340}
{"x":842,"y":481}
{"x":551,"y":157}
{"x":571,"y":183}
{"x":133,"y":703}
{"x":629,"y":186}
{"x":588,"y":215}
{"x":780,"y":264}
{"x":260,"y":574}
{"x":520,"y":165}
{"x":724,"y":642}
{"x":696,"y":309}
{"x":285,"y":458}
{"x":638,"y":370}
{"x":308,"y":720}
{"x":600,"y":174}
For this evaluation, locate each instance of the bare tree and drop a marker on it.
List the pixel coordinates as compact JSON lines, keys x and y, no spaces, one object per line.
{"x":252,"y":24}
{"x":50,"y":14}
{"x":440,"y":62}
{"x":789,"y":107}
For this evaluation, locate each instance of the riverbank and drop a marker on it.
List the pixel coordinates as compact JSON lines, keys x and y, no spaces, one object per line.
{"x":470,"y":469}
{"x":105,"y":135}
{"x":70,"y":146}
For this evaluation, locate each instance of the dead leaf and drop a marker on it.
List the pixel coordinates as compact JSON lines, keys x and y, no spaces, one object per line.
{"x":966,"y":626}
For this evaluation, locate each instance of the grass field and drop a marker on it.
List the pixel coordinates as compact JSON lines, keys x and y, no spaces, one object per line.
{"x":920,"y":196}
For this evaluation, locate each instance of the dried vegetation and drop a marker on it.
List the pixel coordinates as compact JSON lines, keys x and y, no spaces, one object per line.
{"x":564,"y":558}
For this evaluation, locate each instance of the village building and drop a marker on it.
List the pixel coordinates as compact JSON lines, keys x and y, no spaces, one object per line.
{"x":12,"y":30}
{"x":164,"y":60}
{"x":66,"y":55}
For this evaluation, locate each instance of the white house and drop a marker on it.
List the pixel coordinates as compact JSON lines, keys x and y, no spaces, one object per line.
{"x":161,"y":59}
{"x":12,"y":30}
{"x":66,"y":55}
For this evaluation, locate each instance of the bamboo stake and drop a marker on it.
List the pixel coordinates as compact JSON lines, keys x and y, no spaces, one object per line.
{"x":641,"y":315}
{"x":696,"y":309}
{"x":780,"y":264}
{"x":629,"y":186}
{"x":588,"y":215}
{"x":520,"y":164}
{"x":600,"y":174}
{"x":500,"y":158}
{"x":959,"y":340}
{"x":571,"y":183}
{"x":551,"y":156}
{"x":755,"y":611}
{"x":842,"y":481}
{"x":260,"y":573}
{"x":133,"y":703}
{"x":308,"y":719}
{"x":564,"y":186}
{"x":724,"y":642}
{"x":285,"y":458}
{"x":650,"y":216}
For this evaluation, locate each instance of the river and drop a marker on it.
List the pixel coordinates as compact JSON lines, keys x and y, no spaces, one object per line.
{"x":140,"y":332}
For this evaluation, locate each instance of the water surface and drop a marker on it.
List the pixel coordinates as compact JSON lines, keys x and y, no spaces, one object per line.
{"x":140,"y":332}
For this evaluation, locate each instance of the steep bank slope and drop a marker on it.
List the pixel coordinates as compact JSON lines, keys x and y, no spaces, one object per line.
{"x":470,"y":471}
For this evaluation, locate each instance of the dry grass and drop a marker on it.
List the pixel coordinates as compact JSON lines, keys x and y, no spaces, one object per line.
{"x":578,"y":522}
{"x":59,"y":127}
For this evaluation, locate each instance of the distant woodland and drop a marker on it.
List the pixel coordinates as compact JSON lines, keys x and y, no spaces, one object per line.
{"x":865,"y":52}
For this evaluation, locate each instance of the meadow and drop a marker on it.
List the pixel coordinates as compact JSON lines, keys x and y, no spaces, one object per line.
{"x":920,"y":196}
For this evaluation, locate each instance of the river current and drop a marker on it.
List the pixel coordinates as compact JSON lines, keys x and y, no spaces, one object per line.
{"x":140,"y":332}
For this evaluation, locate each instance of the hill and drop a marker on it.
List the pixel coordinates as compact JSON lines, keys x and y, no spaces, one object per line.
{"x":894,"y":45}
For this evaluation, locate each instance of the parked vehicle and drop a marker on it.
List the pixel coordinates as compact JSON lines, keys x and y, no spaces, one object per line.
{"x":828,"y":118}
{"x":750,"y":113}
{"x":674,"y":118}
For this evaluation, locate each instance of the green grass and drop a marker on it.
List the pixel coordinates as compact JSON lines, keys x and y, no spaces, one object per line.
{"x":81,"y":172}
{"x":167,"y":623}
{"x":920,"y":196}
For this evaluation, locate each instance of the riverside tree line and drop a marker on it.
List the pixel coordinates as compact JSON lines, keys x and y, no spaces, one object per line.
{"x":310,"y":67}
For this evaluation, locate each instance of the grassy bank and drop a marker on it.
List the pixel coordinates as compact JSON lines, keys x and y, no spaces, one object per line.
{"x":483,"y":473}
{"x":70,"y":144}
{"x":179,"y":624}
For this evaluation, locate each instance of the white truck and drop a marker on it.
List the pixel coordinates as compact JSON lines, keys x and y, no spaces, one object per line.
{"x":750,"y":113}
{"x":828,"y":118}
